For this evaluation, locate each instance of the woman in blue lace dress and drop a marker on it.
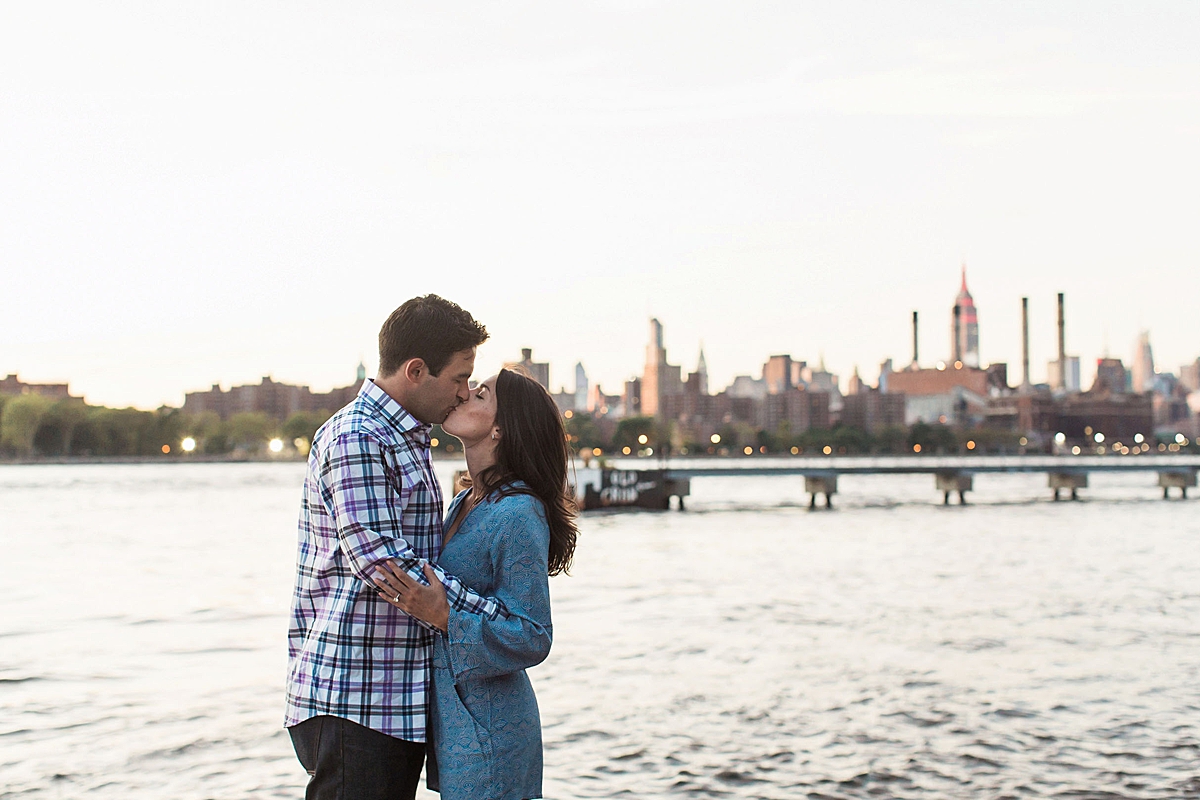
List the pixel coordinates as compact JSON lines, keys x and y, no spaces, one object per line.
{"x":504,"y":536}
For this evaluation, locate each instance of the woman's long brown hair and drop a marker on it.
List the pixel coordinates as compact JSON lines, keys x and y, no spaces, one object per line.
{"x":533,"y":448}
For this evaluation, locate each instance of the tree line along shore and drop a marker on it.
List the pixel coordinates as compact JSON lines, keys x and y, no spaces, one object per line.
{"x":35,"y":427}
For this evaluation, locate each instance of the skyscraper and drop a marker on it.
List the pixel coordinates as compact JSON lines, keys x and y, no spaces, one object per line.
{"x":1143,"y":364}
{"x":659,"y":379}
{"x":538,"y":370}
{"x":964,"y":327}
{"x":581,"y":388}
{"x":777,"y":373}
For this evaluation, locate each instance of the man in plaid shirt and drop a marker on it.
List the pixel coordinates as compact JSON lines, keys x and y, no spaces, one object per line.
{"x":358,"y":668}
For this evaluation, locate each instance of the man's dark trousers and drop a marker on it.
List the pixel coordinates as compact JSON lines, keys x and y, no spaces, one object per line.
{"x":347,"y":761}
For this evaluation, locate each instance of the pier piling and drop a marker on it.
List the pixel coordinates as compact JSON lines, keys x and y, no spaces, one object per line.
{"x":1068,"y":480}
{"x":961,"y":482}
{"x":1176,"y":479}
{"x":820,"y":484}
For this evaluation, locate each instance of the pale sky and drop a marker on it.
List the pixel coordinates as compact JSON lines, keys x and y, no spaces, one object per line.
{"x":214,"y":192}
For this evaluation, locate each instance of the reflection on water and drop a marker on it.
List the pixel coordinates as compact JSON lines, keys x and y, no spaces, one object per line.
{"x":746,"y":648}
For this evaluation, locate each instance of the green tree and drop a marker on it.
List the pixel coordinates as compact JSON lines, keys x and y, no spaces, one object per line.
{"x":169,"y":427}
{"x":250,"y":430}
{"x":847,"y":440}
{"x":57,"y":429}
{"x":209,"y":432}
{"x":891,"y":440}
{"x":765,"y":438}
{"x":127,"y":431}
{"x":932,"y":438}
{"x":583,"y":431}
{"x":630,"y":428}
{"x":303,"y":425}
{"x":22,"y":416}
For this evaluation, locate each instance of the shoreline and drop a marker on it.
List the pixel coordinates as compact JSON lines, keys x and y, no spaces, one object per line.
{"x":191,"y":459}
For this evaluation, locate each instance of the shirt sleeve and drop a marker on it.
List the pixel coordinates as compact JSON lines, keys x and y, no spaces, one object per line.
{"x":482,"y":647}
{"x":367,"y":511}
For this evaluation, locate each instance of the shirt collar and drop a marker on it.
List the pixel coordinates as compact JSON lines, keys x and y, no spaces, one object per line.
{"x":395,"y":414}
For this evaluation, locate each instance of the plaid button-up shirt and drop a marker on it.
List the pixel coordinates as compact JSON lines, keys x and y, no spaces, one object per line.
{"x":370,"y":494}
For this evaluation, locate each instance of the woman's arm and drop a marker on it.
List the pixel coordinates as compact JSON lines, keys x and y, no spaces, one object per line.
{"x":480,"y":647}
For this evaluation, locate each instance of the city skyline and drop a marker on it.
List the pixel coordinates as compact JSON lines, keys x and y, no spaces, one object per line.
{"x":197,"y":198}
{"x":1140,"y":364}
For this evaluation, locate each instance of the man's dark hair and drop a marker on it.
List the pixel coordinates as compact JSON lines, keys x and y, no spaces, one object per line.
{"x":429,"y":328}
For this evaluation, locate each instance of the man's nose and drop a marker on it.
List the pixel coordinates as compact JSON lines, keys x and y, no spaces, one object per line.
{"x":463,"y":395}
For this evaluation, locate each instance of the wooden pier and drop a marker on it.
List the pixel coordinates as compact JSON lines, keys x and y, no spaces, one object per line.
{"x":631,"y":486}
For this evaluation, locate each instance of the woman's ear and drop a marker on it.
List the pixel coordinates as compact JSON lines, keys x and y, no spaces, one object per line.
{"x":495,"y":434}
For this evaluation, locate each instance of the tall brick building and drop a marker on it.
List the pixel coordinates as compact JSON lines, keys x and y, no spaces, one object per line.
{"x":277,"y":400}
{"x":11,"y":384}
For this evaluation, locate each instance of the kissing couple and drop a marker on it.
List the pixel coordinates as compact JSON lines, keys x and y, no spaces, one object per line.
{"x":410,"y":634}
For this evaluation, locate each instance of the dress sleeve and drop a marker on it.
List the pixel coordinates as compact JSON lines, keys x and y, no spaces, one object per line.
{"x":481,"y":647}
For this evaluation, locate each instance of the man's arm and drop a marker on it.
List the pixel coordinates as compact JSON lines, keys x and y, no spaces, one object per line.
{"x":366,"y":511}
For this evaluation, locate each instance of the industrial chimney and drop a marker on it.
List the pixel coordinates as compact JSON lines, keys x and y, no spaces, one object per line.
{"x":1061,"y":383}
{"x":915,"y":361}
{"x":1025,"y":382}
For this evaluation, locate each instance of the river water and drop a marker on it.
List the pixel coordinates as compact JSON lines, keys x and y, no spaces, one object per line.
{"x":745,"y":648}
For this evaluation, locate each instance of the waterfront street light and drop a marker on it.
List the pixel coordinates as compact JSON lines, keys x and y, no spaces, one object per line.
{"x":188,"y":444}
{"x":643,"y":439}
{"x":1180,"y":438}
{"x":1138,"y":438}
{"x":715,"y":438}
{"x":1060,"y":438}
{"x":276,"y":445}
{"x":1099,"y":437}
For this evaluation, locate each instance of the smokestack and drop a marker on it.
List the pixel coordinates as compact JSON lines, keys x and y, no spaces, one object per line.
{"x":956,"y":347}
{"x":1062,"y":345}
{"x":915,"y":361}
{"x":1025,"y":342}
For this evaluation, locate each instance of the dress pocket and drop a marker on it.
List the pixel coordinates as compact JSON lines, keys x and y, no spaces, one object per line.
{"x":475,"y":700}
{"x":463,"y":746}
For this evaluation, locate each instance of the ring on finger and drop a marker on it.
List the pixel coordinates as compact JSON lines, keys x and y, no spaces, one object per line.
{"x":396,"y":599}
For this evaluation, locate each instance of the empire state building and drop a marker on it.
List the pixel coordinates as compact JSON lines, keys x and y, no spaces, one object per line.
{"x":964,"y":331}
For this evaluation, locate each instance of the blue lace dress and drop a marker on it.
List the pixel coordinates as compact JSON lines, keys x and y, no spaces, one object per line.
{"x":486,"y":741}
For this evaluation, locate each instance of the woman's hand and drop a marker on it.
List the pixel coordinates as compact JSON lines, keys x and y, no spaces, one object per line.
{"x":426,"y":603}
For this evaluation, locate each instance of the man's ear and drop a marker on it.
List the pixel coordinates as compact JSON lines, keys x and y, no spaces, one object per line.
{"x":415,"y":370}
